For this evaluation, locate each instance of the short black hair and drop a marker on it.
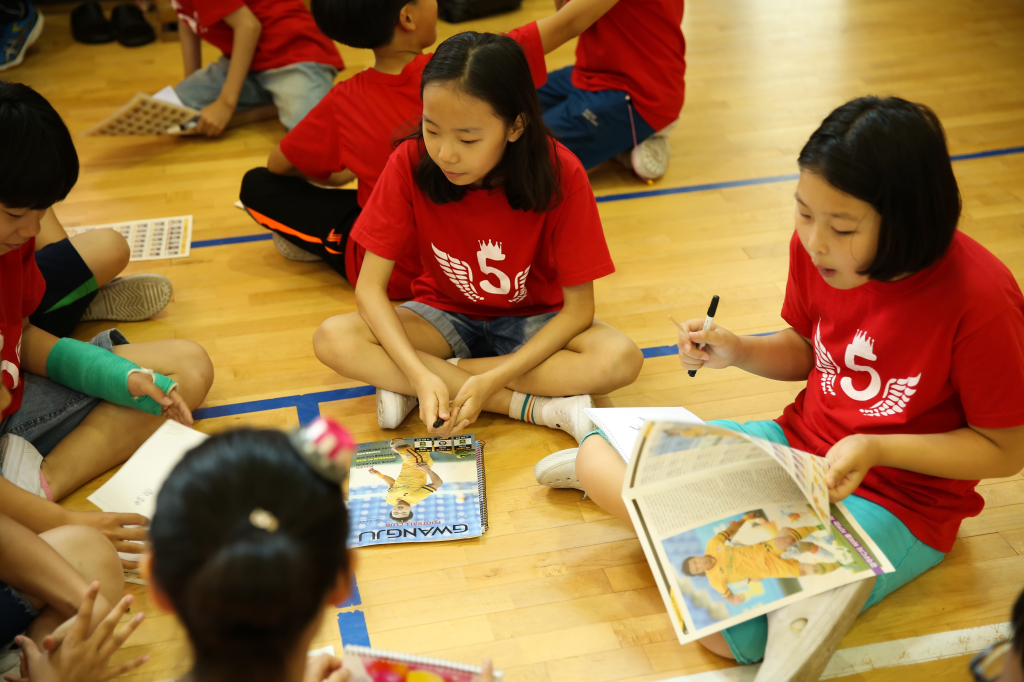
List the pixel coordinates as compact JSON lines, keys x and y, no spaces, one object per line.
{"x":38,"y":161}
{"x":493,"y":68}
{"x":405,"y":519}
{"x":686,"y":567}
{"x":368,"y":24}
{"x":246,"y":594}
{"x":892,"y":154}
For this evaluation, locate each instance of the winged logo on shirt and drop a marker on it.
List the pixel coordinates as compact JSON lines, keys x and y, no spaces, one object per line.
{"x":895,"y":395}
{"x":825,"y":364}
{"x":461,"y":273}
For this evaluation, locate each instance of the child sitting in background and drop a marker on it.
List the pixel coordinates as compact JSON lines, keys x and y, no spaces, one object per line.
{"x":626,"y":90}
{"x":351,"y":132}
{"x":275,"y":62}
{"x":910,"y":335}
{"x":72,"y":410}
{"x":512,"y":243}
{"x":249,"y":551}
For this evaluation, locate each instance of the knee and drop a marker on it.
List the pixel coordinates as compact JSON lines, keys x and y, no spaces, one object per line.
{"x":254,"y":186}
{"x":590,"y":459}
{"x":194,"y":370}
{"x":336,"y":342}
{"x":116,"y":247}
{"x":621,"y":362}
{"x":91,"y":555}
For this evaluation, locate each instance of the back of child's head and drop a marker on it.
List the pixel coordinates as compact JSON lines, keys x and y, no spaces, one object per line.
{"x":247,"y":542}
{"x":38,"y":161}
{"x":367,"y":24}
{"x":493,"y":68}
{"x":892,"y":154}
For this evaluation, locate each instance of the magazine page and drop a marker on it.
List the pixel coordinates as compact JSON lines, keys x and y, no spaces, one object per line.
{"x":677,"y":450}
{"x":740,"y":542}
{"x":622,"y":424}
{"x":375,"y":665}
{"x":415,"y":490}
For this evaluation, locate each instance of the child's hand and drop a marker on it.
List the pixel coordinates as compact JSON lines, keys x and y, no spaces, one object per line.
{"x":373,"y":471}
{"x":849,"y":461}
{"x":113,"y":527}
{"x":470,"y":401}
{"x":325,"y":668}
{"x":487,"y":671}
{"x":736,"y":599}
{"x":174,"y":407}
{"x":81,"y":657}
{"x":214,"y":118}
{"x":433,"y":395}
{"x":721,"y":349}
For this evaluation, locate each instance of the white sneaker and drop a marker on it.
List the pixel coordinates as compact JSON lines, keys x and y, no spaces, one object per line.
{"x":393,"y":408}
{"x":292,"y":252}
{"x":567,"y":414}
{"x":650,"y":158}
{"x":20,"y":462}
{"x":803,"y":636}
{"x":558,"y":470}
{"x":10,"y":659}
{"x":132,"y":298}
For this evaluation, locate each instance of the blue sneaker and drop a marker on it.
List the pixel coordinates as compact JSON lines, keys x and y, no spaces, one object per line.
{"x":17,"y":36}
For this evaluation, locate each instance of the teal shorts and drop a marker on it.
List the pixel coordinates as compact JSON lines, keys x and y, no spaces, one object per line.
{"x":909,"y":556}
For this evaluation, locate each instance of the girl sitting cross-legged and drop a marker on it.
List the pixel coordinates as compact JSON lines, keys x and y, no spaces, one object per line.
{"x":511,"y":242}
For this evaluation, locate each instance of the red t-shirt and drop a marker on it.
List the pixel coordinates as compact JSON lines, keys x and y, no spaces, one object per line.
{"x":289,"y":36}
{"x":479,"y":256}
{"x":930,"y":353}
{"x":21,"y":290}
{"x":353,"y":126}
{"x":637,"y":47}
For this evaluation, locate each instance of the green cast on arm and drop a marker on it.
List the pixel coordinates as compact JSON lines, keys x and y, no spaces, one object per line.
{"x":97,"y":372}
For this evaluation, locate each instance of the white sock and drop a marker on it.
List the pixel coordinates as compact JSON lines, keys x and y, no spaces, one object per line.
{"x":454,"y":361}
{"x":528,"y":408}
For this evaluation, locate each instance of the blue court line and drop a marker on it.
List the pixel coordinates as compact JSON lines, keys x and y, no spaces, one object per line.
{"x":641,"y":194}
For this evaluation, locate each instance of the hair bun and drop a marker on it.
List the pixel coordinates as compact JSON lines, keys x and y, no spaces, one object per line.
{"x":327,"y":446}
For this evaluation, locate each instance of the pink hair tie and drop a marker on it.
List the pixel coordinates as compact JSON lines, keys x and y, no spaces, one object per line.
{"x":327,"y":446}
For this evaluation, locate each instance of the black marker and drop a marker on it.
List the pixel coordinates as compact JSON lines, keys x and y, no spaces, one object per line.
{"x":712,"y":309}
{"x":439,"y":423}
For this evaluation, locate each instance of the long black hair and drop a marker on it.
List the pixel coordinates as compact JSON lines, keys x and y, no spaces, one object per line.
{"x":38,"y":161}
{"x":892,"y":154}
{"x":494,"y":69}
{"x":245,"y":593}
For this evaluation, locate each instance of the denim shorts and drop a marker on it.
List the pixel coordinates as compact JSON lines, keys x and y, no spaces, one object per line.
{"x":16,"y":613}
{"x":481,"y":338}
{"x":909,"y":556}
{"x":50,"y":411}
{"x":294,"y":89}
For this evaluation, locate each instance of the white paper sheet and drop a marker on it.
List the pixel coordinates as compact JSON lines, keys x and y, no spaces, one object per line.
{"x":622,"y":424}
{"x":134,"y":488}
{"x":153,"y":239}
{"x":170,"y":96}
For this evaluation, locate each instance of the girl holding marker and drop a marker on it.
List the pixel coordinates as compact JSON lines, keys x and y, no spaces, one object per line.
{"x":910,"y":335}
{"x":511,"y":241}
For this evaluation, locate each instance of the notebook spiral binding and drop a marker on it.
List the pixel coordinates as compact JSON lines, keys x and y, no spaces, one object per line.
{"x":481,"y":484}
{"x":366,"y":652}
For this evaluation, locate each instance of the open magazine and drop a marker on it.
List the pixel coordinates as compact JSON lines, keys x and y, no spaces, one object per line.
{"x":735,"y":527}
{"x":417,"y":490}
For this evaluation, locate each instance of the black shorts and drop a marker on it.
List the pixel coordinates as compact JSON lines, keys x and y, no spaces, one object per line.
{"x":70,"y":288}
{"x":315,"y":219}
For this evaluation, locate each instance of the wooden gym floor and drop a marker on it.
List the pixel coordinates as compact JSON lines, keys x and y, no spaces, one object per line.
{"x":557,"y":590}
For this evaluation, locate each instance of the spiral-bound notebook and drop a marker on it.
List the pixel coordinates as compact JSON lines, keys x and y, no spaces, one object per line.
{"x":417,"y":490}
{"x":388,"y":666}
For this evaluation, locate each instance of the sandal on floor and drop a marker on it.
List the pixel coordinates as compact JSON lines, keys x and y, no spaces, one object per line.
{"x":89,"y":26}
{"x":130,"y":27}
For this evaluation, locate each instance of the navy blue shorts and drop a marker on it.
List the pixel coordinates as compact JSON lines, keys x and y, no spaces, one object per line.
{"x":16,"y":613}
{"x":593,"y":125}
